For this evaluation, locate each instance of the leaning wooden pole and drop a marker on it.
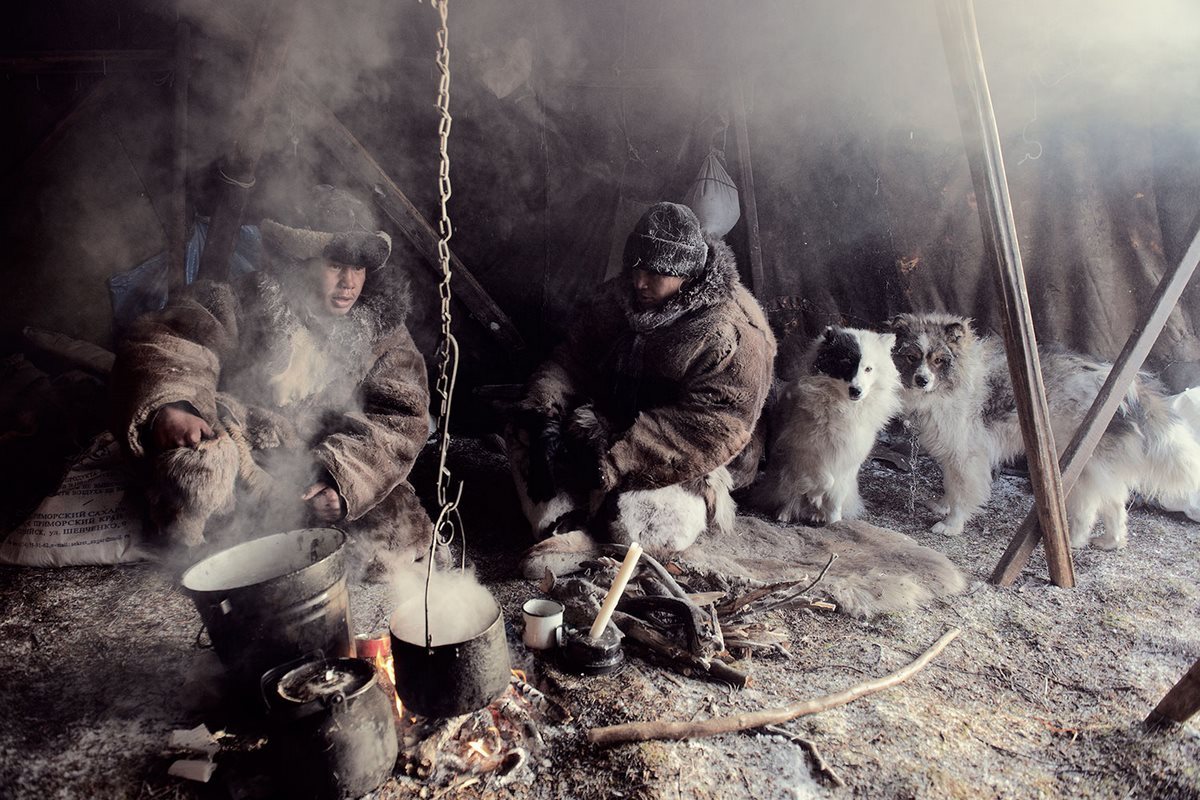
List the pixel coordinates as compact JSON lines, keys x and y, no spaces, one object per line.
{"x":1181,"y":703}
{"x":960,"y":39}
{"x":741,"y":131}
{"x":236,"y":172}
{"x":1094,"y":423}
{"x":337,"y":140}
{"x":178,"y":225}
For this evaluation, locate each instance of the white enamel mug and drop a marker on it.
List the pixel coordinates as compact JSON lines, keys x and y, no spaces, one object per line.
{"x":542,"y":619}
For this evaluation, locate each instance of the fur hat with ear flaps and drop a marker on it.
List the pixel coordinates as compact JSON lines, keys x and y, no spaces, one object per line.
{"x":336,"y":226}
{"x":667,"y":240}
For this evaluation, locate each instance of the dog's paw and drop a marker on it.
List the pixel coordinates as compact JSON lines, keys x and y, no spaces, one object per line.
{"x":1107,"y":542}
{"x":938,"y":506}
{"x":948,"y":528}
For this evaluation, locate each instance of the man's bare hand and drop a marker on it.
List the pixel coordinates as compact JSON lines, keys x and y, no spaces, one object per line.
{"x":324,"y":502}
{"x":178,"y":427}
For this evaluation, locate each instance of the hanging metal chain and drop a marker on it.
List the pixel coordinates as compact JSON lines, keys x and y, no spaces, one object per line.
{"x":448,"y":520}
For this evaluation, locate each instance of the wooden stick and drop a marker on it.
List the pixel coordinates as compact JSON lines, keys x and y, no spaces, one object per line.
{"x":749,"y":202}
{"x":660,"y":729}
{"x":960,"y":38}
{"x":178,"y":225}
{"x":85,"y":61}
{"x":339,"y":142}
{"x":707,"y":635}
{"x":818,"y":759}
{"x":1095,"y":422}
{"x":1181,"y":703}
{"x":654,"y":641}
{"x":84,"y":104}
{"x":236,"y":172}
{"x":798,"y":594}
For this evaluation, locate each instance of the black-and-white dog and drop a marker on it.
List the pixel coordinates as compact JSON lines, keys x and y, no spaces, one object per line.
{"x":823,"y":425}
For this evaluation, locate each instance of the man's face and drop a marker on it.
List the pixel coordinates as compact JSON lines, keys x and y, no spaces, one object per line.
{"x":651,"y":290}
{"x":336,"y":286}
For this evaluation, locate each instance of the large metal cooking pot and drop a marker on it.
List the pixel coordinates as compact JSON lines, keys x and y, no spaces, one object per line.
{"x":271,"y":600}
{"x":451,"y":679}
{"x":332,"y":734}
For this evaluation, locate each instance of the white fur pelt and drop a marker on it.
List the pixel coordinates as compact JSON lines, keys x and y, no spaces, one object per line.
{"x":192,"y":485}
{"x":824,"y":424}
{"x":876,"y":571}
{"x":958,"y":394}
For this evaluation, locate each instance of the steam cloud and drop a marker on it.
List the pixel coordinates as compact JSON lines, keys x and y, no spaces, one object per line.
{"x":459,"y":607}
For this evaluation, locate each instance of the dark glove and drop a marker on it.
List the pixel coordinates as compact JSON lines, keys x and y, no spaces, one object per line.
{"x":545,"y":442}
{"x":587,"y":450}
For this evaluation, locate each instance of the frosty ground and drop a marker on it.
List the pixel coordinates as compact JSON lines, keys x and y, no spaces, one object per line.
{"x":1043,"y":694}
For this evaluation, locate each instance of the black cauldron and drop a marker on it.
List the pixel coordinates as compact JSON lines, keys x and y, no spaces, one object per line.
{"x":451,"y":679}
{"x":272,"y":600}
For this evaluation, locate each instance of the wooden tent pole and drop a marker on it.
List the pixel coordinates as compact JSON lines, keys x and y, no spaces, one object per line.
{"x":74,"y":62}
{"x":85,"y":103}
{"x":749,"y":202}
{"x":339,"y":142}
{"x":960,"y":38}
{"x":1120,"y":377}
{"x":1181,"y":703}
{"x":179,"y":216}
{"x":236,"y":172}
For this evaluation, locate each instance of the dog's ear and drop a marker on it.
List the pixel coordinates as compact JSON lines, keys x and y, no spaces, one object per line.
{"x":955,"y":331}
{"x":889,"y":341}
{"x":900,"y":325}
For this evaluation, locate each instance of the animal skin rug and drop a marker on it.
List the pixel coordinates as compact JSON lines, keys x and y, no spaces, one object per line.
{"x":876,"y":570}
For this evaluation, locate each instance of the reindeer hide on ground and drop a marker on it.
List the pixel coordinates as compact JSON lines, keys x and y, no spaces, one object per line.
{"x":876,"y":571}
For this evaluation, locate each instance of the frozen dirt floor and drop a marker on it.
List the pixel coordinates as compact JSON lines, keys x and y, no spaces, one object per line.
{"x":1042,"y":695}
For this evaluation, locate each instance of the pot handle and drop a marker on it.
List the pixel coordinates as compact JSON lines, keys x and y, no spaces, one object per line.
{"x":336,"y":702}
{"x":199,"y":633}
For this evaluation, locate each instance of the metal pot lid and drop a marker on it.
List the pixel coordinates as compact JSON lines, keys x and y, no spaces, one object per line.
{"x":326,"y":681}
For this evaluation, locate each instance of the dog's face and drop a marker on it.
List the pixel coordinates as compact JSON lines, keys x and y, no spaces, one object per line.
{"x":928,"y":347}
{"x":861,"y":359}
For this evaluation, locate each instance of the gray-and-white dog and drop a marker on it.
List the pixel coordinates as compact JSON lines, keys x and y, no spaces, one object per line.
{"x":958,"y":393}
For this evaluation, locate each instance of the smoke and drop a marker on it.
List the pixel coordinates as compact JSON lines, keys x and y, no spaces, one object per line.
{"x":569,"y":114}
{"x":460,"y":608}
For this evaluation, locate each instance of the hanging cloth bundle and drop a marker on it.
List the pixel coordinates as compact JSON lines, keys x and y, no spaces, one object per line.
{"x":714,"y":197}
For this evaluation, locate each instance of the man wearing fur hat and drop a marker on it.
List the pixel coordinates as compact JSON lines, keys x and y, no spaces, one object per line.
{"x":627,"y":430}
{"x":290,"y":396}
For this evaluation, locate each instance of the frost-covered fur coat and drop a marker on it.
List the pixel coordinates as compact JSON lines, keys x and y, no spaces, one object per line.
{"x":293,"y":396}
{"x":672,"y":394}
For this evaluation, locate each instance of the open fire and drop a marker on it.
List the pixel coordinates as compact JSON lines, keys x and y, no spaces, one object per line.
{"x":494,"y":743}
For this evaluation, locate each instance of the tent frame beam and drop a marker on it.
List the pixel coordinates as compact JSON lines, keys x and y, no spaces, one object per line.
{"x":749,"y":201}
{"x":1095,"y":422}
{"x":960,"y":39}
{"x":236,"y":173}
{"x":332,"y":135}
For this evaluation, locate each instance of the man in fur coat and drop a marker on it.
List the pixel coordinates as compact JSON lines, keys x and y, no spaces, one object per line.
{"x":627,"y":430}
{"x":290,"y":396}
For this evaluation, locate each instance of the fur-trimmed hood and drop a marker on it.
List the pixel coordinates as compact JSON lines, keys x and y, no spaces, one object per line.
{"x":303,"y":357}
{"x":713,"y":284}
{"x":679,"y":387}
{"x":366,"y":249}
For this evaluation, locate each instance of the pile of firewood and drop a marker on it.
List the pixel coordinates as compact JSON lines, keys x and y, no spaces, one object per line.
{"x":710,"y":633}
